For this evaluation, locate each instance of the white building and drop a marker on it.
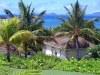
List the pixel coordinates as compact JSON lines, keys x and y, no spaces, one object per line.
{"x":58,"y":48}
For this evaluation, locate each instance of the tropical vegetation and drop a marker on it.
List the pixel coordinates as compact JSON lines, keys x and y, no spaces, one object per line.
{"x":41,"y":62}
{"x":77,"y":26}
{"x":24,"y":35}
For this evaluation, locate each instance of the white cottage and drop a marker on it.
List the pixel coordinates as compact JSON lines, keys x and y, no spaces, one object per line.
{"x":58,"y":48}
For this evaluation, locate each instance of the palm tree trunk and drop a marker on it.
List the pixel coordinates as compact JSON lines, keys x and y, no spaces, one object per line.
{"x":8,"y":52}
{"x":25,"y":48}
{"x":76,"y":36}
{"x":77,"y":47}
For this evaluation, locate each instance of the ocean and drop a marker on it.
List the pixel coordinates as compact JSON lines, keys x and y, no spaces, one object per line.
{"x":53,"y":21}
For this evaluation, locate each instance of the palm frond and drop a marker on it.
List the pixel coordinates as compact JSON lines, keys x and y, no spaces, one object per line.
{"x":9,"y":13}
{"x":62,"y":34}
{"x":90,"y":33}
{"x":61,"y":19}
{"x":22,"y":36}
{"x":42,"y":13}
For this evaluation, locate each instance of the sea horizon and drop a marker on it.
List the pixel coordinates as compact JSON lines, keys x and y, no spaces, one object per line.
{"x":52,"y":21}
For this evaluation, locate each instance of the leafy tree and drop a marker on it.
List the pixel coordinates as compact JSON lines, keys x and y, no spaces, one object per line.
{"x":7,"y":29}
{"x":23,"y":37}
{"x":29,"y":20}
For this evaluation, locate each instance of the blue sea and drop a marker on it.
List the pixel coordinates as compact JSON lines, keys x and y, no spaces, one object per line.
{"x":53,"y":21}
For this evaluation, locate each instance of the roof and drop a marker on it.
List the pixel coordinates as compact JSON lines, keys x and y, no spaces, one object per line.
{"x":61,"y":42}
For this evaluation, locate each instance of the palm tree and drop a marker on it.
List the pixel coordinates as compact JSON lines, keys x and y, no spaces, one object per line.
{"x":7,"y":29}
{"x":28,"y":18}
{"x":23,"y":37}
{"x":76,"y":25}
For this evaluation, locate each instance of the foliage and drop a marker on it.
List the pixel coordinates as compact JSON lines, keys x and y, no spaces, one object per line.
{"x":29,"y":20}
{"x":43,"y":62}
{"x":94,"y":52}
{"x":63,"y":27}
{"x":8,"y":12}
{"x":76,"y":25}
{"x":88,"y":66}
{"x":39,"y":61}
{"x":8,"y":28}
{"x":76,"y":15}
{"x":21,"y":36}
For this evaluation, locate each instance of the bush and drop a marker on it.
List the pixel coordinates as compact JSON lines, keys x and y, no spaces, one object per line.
{"x":94,"y":52}
{"x":87,"y":66}
{"x":39,"y":61}
{"x":43,"y":62}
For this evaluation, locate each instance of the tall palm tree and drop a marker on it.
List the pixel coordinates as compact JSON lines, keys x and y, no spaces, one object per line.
{"x":76,"y":25}
{"x":28,"y":17}
{"x":29,"y":20}
{"x":7,"y":29}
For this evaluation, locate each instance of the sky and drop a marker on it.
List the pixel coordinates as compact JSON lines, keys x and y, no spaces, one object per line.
{"x":51,"y":6}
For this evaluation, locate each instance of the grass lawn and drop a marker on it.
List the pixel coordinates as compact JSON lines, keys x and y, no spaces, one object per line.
{"x":12,"y":71}
{"x":56,"y":72}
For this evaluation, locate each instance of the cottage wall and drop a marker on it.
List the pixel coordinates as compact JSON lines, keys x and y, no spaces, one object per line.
{"x":48,"y":50}
{"x":68,"y":53}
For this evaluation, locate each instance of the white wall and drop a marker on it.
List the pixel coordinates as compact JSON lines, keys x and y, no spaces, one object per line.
{"x":48,"y":50}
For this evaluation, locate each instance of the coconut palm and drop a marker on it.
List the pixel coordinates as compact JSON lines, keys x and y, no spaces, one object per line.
{"x":23,"y":37}
{"x":28,"y":17}
{"x":7,"y":29}
{"x":77,"y":26}
{"x":29,"y":20}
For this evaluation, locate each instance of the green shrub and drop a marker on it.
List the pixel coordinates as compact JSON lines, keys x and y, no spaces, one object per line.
{"x":87,"y":66}
{"x":39,"y":61}
{"x":43,"y":62}
{"x":94,"y":52}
